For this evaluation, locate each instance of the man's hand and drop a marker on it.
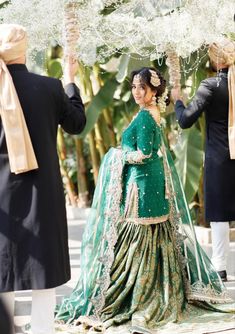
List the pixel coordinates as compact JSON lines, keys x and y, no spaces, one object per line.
{"x":70,"y":69}
{"x":176,"y":94}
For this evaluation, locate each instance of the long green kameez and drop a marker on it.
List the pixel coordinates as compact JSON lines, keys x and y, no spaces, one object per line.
{"x":141,"y":262}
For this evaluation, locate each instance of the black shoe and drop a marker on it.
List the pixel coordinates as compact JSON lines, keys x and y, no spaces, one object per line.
{"x":223,"y":275}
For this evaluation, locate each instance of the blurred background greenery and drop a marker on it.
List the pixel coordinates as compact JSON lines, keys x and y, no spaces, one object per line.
{"x":105,"y":90}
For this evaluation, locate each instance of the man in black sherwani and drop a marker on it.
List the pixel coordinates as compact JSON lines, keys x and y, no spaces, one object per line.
{"x":216,"y":97}
{"x":33,"y":227}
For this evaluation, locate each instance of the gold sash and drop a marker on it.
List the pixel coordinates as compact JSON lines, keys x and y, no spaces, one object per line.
{"x":20,"y":150}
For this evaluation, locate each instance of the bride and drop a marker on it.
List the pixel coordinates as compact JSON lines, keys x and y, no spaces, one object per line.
{"x":141,"y":264}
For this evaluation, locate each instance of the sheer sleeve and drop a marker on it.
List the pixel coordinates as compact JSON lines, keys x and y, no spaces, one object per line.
{"x":144,"y":137}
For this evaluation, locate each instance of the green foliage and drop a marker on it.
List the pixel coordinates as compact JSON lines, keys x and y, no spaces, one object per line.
{"x":4,"y":3}
{"x":102,"y":100}
{"x":114,"y":98}
{"x":189,"y":159}
{"x":54,"y":68}
{"x":123,"y":67}
{"x":129,"y":64}
{"x":231,"y":35}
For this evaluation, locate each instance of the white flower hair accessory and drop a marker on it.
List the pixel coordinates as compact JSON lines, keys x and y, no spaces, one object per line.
{"x":154,"y":80}
{"x":162,"y":101}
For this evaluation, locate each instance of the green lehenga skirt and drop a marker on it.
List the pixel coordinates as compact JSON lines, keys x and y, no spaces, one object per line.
{"x":141,"y":277}
{"x":146,"y":281}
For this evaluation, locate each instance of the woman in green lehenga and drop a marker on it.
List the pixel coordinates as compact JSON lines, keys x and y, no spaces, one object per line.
{"x":141,"y":265}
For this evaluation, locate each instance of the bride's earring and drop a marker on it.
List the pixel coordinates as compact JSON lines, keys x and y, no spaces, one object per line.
{"x":154,"y":100}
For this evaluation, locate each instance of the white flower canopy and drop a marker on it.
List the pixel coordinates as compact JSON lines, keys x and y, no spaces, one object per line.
{"x":146,"y":28}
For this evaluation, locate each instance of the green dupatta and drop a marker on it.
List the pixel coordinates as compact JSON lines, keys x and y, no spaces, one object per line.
{"x":202,"y":283}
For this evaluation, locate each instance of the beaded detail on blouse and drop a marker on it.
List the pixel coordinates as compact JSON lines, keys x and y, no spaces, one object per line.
{"x":144,"y":195}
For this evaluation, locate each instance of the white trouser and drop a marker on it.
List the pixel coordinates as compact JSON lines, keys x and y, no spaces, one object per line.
{"x":42,"y":311}
{"x":220,"y":244}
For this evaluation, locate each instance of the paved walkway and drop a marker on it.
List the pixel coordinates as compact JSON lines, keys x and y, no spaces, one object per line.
{"x":23,"y":299}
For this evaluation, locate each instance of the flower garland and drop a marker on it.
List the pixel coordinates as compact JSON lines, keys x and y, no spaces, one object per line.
{"x":145,"y":28}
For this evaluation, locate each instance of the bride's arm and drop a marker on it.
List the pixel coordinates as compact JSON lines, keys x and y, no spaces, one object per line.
{"x":144,"y":136}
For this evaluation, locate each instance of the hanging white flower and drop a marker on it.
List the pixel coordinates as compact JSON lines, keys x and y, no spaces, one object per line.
{"x":143,"y":27}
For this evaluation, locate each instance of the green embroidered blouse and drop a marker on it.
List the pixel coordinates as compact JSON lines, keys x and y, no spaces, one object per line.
{"x":144,"y":195}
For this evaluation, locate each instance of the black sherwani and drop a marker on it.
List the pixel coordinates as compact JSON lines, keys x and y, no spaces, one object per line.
{"x":33,"y":226}
{"x":219,"y":180}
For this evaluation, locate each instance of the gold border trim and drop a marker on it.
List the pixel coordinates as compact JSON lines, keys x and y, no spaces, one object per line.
{"x":147,"y":221}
